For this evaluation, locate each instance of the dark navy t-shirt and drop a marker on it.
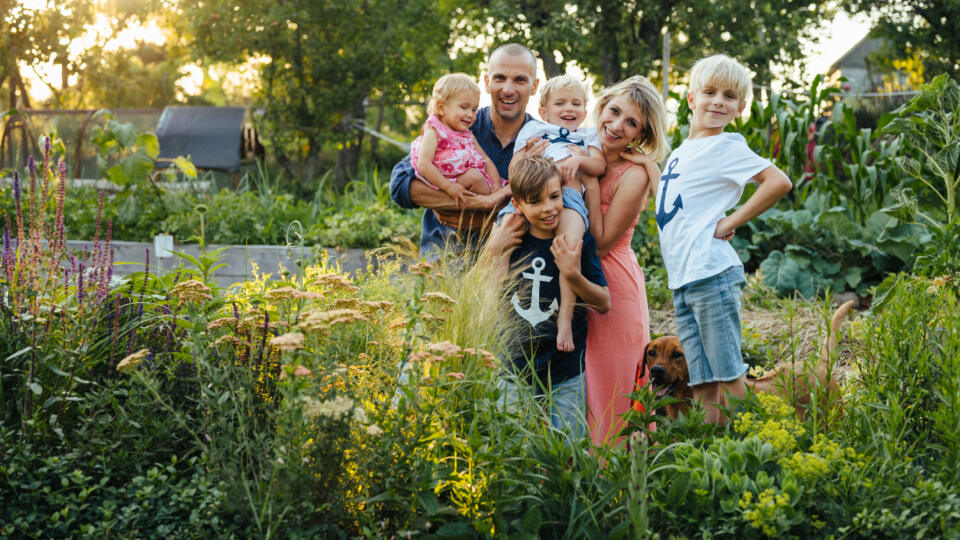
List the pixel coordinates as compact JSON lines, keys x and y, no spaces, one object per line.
{"x":433,"y":234}
{"x":539,"y":277}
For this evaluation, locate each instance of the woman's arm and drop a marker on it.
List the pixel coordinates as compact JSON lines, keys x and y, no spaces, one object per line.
{"x":629,"y":200}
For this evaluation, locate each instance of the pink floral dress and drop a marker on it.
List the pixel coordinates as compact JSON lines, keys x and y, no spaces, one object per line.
{"x":456,"y":152}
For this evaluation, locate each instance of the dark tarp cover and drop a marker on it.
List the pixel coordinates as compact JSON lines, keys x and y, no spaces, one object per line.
{"x":211,"y":136}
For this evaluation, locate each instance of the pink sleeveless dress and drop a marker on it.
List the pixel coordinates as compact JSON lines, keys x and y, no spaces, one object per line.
{"x":616,"y":339}
{"x":456,"y":153}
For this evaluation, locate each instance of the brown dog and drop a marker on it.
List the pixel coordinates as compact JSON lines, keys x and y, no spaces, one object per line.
{"x":669,"y":375}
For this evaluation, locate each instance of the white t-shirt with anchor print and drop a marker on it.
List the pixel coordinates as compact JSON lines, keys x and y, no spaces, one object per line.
{"x":560,"y":138}
{"x":702,"y":180}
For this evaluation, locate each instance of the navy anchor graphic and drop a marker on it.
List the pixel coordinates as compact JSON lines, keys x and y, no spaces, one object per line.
{"x":664,"y":217}
{"x":564,"y":132}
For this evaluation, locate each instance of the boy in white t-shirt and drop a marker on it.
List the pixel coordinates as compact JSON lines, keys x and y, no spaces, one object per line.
{"x":574,"y":149}
{"x":702,"y":180}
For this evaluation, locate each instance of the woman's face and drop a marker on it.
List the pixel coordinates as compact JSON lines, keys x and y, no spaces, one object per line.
{"x":620,"y":123}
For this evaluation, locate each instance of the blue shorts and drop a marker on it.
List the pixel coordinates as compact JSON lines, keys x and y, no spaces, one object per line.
{"x":572,"y":199}
{"x":708,"y":324}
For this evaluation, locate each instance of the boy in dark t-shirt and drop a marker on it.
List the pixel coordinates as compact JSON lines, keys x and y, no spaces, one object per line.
{"x":528,"y":244}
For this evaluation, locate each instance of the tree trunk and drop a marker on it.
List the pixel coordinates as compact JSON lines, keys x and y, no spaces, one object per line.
{"x":348,"y":158}
{"x":550,"y":66}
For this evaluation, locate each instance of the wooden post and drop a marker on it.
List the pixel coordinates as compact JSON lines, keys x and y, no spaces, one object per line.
{"x":666,"y":65}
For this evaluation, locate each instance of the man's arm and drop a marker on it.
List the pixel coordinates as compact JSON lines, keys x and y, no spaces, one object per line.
{"x":410,"y":194}
{"x":566,"y":254}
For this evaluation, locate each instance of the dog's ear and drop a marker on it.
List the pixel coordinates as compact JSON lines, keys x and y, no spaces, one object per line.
{"x":642,"y":368}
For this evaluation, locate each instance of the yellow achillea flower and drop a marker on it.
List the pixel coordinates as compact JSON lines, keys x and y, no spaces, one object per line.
{"x":192,"y":290}
{"x":323,"y":321}
{"x":441,"y":297}
{"x":221,"y":322}
{"x":290,"y":341}
{"x":282,"y":293}
{"x":132,"y":361}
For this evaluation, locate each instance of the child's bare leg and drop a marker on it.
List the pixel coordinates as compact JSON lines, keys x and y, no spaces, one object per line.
{"x":572,"y":226}
{"x":474,"y":181}
{"x":714,"y":393}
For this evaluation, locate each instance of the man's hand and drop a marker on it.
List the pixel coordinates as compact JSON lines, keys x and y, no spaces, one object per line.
{"x":506,"y":235}
{"x":487,"y":203}
{"x":566,"y":255}
{"x":724,"y":230}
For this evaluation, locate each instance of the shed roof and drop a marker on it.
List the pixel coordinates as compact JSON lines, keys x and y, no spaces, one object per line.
{"x":211,"y":136}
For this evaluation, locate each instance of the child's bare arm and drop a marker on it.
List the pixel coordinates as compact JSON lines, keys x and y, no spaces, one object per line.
{"x":425,"y":166}
{"x":491,"y":169}
{"x":774,"y":184}
{"x":566,"y":254}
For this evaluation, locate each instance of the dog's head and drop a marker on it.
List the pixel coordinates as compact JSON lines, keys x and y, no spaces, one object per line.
{"x":668,"y":367}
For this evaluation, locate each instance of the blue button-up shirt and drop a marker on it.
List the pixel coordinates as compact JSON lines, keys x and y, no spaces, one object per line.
{"x":433,"y":234}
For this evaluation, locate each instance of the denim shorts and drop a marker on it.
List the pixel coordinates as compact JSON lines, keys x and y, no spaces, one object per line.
{"x":572,"y":199}
{"x":708,"y":324}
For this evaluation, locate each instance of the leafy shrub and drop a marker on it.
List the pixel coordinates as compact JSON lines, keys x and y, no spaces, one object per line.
{"x":61,"y":492}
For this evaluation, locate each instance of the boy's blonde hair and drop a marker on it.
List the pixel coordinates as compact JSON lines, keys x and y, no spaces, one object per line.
{"x":723,"y":72}
{"x":561,"y":82}
{"x":653,"y":134}
{"x":448,"y":86}
{"x":528,"y":176}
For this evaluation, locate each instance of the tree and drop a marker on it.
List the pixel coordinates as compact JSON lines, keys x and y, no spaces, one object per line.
{"x":917,"y":29}
{"x":324,"y":60}
{"x":613,"y":39}
{"x":34,"y":35}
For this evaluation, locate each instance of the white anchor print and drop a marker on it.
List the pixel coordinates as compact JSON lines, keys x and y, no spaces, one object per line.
{"x":533,"y":314}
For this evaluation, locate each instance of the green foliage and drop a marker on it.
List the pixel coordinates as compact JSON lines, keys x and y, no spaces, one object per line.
{"x":929,"y":126}
{"x":326,"y":59}
{"x":61,"y":492}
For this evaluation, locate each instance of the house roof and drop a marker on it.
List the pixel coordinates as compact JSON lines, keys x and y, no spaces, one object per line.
{"x":856,"y":57}
{"x":211,"y":136}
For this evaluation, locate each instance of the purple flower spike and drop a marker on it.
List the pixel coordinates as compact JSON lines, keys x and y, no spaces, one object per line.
{"x":31,"y":165}
{"x":47,"y":145}
{"x":80,"y":284}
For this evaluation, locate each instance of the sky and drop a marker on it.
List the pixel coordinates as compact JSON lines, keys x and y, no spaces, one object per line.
{"x":840,"y":35}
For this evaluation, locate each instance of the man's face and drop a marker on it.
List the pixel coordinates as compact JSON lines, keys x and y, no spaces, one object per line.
{"x":510,"y":79}
{"x":566,"y":107}
{"x":543,"y":210}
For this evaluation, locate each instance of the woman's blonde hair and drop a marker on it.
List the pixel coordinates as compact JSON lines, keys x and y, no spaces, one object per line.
{"x":721,"y":71}
{"x":653,"y":134}
{"x":448,"y":86}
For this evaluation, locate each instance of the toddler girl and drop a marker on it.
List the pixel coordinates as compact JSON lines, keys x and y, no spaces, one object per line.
{"x":446,"y":156}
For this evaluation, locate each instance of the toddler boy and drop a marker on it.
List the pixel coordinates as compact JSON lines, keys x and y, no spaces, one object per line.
{"x":703,"y":179}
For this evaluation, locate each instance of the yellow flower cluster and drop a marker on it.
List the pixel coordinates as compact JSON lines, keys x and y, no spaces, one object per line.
{"x":781,"y":430}
{"x":338,"y":408}
{"x":805,"y":466}
{"x":766,"y":511}
{"x":322,"y":321}
{"x":290,"y":341}
{"x":190,"y":291}
{"x":132,"y":361}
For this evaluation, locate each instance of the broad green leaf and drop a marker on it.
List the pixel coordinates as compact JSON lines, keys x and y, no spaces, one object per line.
{"x":185,"y":166}
{"x":149,"y":144}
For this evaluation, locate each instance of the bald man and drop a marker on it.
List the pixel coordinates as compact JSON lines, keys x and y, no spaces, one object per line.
{"x":510,"y":79}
